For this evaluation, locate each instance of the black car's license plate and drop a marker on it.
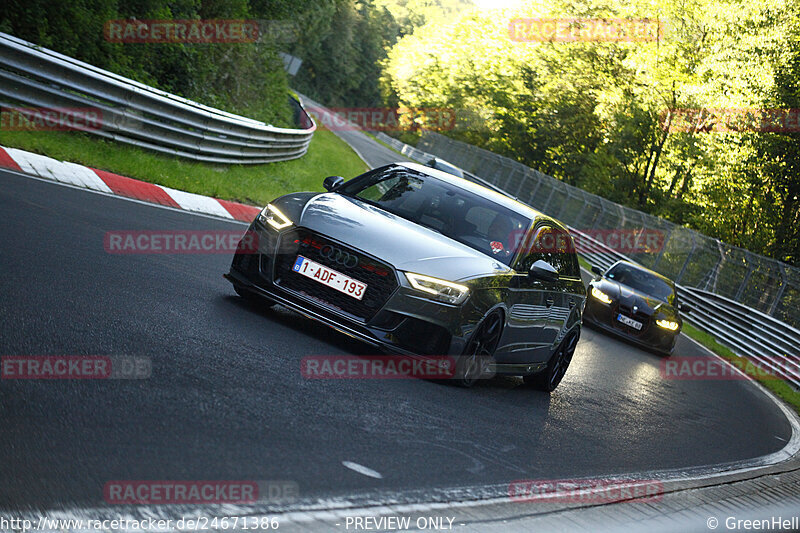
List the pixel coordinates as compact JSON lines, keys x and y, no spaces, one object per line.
{"x":629,"y":322}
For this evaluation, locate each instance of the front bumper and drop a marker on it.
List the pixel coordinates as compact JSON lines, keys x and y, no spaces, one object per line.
{"x":405,"y":323}
{"x":397,"y":320}
{"x":652,"y":336}
{"x":314,"y":312}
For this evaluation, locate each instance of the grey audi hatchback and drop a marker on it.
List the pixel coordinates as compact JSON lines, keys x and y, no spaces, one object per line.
{"x":420,"y":262}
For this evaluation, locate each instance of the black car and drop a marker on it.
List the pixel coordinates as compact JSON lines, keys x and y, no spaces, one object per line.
{"x":635,"y":303}
{"x":417,"y":261}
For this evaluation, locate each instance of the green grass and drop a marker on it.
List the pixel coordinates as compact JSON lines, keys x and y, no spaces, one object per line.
{"x":778,"y":387}
{"x":252,"y":184}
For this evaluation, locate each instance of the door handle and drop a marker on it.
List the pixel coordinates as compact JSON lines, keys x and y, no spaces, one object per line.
{"x":549,"y":302}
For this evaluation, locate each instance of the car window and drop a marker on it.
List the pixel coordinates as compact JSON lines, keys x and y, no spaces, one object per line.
{"x":457,"y":213}
{"x":391,"y":189}
{"x":555,"y":247}
{"x":481,"y":218}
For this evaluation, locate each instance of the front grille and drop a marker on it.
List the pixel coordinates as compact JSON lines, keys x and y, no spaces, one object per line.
{"x":380,"y":278}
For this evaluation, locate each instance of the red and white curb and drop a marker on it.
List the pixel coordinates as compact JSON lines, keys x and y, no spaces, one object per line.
{"x":110,"y":183}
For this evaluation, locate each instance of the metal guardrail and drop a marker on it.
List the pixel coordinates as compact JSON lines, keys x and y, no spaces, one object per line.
{"x":688,"y":257}
{"x":134,"y":113}
{"x":405,"y":149}
{"x":748,"y":332}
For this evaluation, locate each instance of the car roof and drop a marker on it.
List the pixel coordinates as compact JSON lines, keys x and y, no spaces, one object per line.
{"x":444,"y":165}
{"x":497,"y":197}
{"x":643,"y":269}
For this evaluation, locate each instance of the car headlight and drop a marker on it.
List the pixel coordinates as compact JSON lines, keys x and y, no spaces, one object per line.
{"x":600,"y":295}
{"x":272,"y":215}
{"x":667,"y":324}
{"x":438,"y":289}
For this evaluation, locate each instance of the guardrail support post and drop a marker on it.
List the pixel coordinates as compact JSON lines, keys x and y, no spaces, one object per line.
{"x":663,"y":248}
{"x":743,"y":284}
{"x":784,"y":282}
{"x":688,"y":259}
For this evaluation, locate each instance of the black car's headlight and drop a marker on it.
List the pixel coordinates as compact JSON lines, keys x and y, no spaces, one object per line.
{"x":438,"y":289}
{"x":272,"y":215}
{"x":667,"y":324}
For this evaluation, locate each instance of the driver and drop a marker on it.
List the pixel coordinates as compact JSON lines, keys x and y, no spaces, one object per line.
{"x":499,"y":235}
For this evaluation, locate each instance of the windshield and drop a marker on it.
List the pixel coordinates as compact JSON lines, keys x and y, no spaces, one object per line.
{"x":457,"y":213}
{"x":642,"y":281}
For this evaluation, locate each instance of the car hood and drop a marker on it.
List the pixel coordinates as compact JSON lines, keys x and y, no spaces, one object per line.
{"x":403,"y":244}
{"x":630,"y":297}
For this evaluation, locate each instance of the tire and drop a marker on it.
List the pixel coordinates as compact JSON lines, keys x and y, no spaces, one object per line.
{"x":472,"y":364}
{"x":548,"y":379}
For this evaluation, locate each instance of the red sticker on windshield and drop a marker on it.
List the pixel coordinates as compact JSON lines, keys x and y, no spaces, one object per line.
{"x":497,"y":247}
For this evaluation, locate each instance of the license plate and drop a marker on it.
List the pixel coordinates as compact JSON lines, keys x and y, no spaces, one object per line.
{"x":328,"y":276}
{"x":629,"y":322}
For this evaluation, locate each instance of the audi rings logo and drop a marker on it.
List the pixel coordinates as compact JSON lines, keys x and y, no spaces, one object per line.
{"x":340,"y":257}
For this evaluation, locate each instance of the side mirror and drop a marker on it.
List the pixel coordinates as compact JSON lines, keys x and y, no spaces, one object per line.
{"x":597,"y":270}
{"x":332,"y":183}
{"x":685,"y":308}
{"x":543,"y":271}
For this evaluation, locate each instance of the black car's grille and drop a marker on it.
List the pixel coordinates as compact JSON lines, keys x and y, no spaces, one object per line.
{"x":638,"y":316}
{"x":380,"y":278}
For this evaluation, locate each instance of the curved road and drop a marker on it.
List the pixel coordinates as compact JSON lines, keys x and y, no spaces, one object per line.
{"x":226,"y":399}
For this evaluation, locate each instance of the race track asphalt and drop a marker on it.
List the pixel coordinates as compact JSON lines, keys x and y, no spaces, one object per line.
{"x":226,"y":399}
